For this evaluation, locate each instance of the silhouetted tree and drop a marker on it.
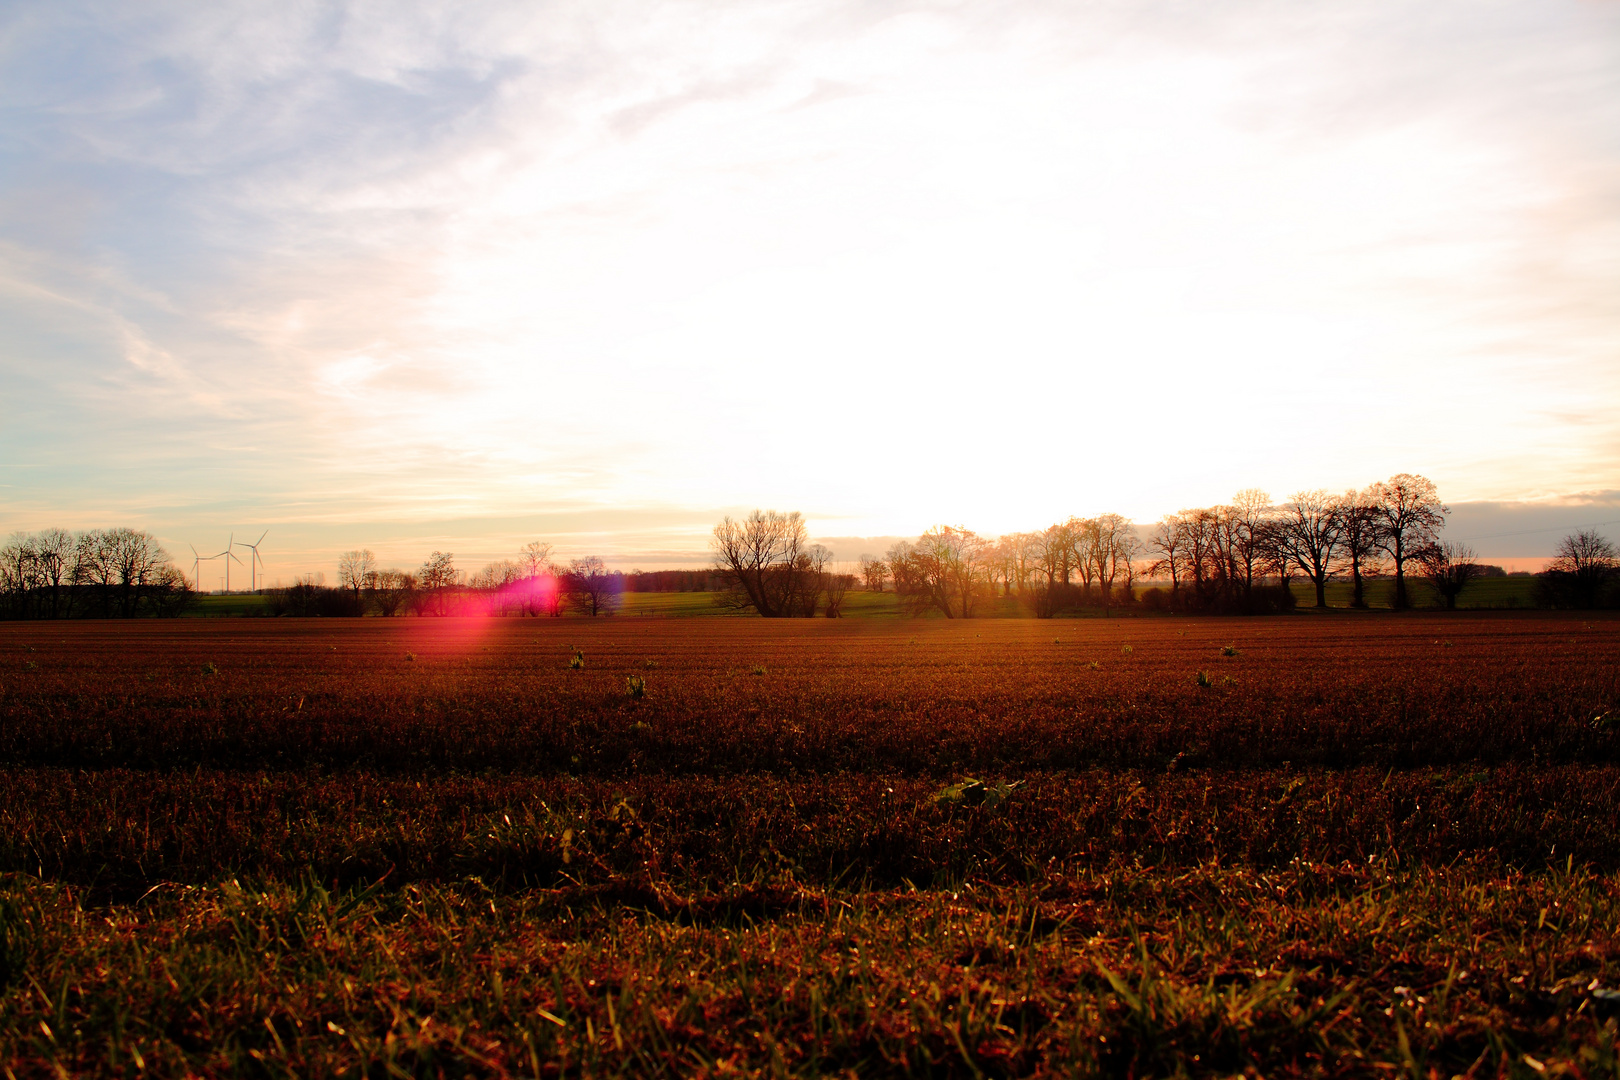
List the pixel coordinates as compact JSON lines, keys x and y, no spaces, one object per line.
{"x":392,"y":591}
{"x":591,"y":589}
{"x":1358,"y":541}
{"x":542,"y":590}
{"x":1166,"y":541}
{"x":1410,"y":516}
{"x":1584,"y":569}
{"x":1449,"y":568}
{"x":766,"y":564}
{"x":949,"y":566}
{"x":1311,"y":531}
{"x":356,"y":570}
{"x":874,"y":573}
{"x":1111,"y":545}
{"x":436,"y":581}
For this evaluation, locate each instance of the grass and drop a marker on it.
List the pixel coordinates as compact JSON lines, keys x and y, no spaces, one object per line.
{"x":1484,"y":594}
{"x":1371,"y":845}
{"x":1487,"y":594}
{"x":223,"y":605}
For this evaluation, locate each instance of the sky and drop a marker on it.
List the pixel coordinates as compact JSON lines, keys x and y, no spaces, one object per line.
{"x":426,"y":276}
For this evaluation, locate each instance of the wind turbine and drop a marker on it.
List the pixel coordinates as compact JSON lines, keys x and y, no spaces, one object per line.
{"x":256,"y":563}
{"x":228,"y":555}
{"x":196,"y":564}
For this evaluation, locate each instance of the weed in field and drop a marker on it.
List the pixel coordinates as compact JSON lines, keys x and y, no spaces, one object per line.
{"x":759,"y":669}
{"x":576,"y":661}
{"x":635,"y":687}
{"x":410,"y":656}
{"x":971,"y":792}
{"x":1229,"y":650}
{"x":17,"y":942}
{"x":651,"y":664}
{"x":210,"y":669}
{"x":1096,"y":666}
{"x":1605,"y":722}
{"x":1125,"y":650}
{"x":1203,"y":678}
{"x":30,"y":666}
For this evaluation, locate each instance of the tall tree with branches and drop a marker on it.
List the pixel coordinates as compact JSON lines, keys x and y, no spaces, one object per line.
{"x":1409,"y":516}
{"x":1312,"y":528}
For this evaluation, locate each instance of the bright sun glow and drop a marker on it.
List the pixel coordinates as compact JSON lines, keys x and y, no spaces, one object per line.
{"x":602,"y":275}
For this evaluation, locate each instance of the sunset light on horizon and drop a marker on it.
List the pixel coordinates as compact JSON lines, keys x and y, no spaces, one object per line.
{"x":433,"y":276}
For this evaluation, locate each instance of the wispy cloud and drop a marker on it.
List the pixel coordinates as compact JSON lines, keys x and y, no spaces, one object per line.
{"x":886,"y":263}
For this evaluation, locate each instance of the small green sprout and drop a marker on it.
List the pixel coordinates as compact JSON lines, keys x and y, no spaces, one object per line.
{"x":635,"y":686}
{"x":971,"y":792}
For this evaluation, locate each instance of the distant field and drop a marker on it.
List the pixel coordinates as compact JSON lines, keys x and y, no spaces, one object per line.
{"x":1504,"y":593}
{"x":212,"y":605}
{"x":1379,"y":844}
{"x":1487,"y":593}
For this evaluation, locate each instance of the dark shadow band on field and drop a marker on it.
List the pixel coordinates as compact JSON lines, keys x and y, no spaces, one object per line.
{"x":123,"y":831}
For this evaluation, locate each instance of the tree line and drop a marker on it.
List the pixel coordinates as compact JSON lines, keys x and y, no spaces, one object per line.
{"x":1239,"y":557}
{"x":533,"y":584}
{"x":97,"y":573}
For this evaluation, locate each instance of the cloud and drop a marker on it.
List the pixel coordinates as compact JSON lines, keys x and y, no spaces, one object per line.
{"x":888,"y":263}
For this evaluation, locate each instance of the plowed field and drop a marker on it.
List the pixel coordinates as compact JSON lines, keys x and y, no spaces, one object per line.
{"x":1351,"y":843}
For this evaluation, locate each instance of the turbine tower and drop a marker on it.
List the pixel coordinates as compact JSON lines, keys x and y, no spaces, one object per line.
{"x":196,"y":565}
{"x":228,"y":555}
{"x":255,"y":562}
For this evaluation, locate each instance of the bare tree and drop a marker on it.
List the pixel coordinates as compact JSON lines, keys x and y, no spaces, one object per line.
{"x":1584,"y":567}
{"x":1082,"y":534}
{"x":535,"y":558}
{"x":1166,"y":540}
{"x":356,"y":570}
{"x":437,"y":579}
{"x":952,"y":570}
{"x":120,"y":563}
{"x":591,"y":589}
{"x":1024,"y":550}
{"x":1001,"y":559}
{"x":1358,"y":542}
{"x":500,"y":583}
{"x":38,"y":572}
{"x":540,"y":591}
{"x":1311,"y":530}
{"x":1112,"y":546}
{"x":1410,"y":516}
{"x":766,"y":564}
{"x":1053,"y":554}
{"x":392,"y":590}
{"x":832,"y":583}
{"x":1250,"y":513}
{"x":874,"y":573}
{"x":1449,"y":568}
{"x":1200,"y":531}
